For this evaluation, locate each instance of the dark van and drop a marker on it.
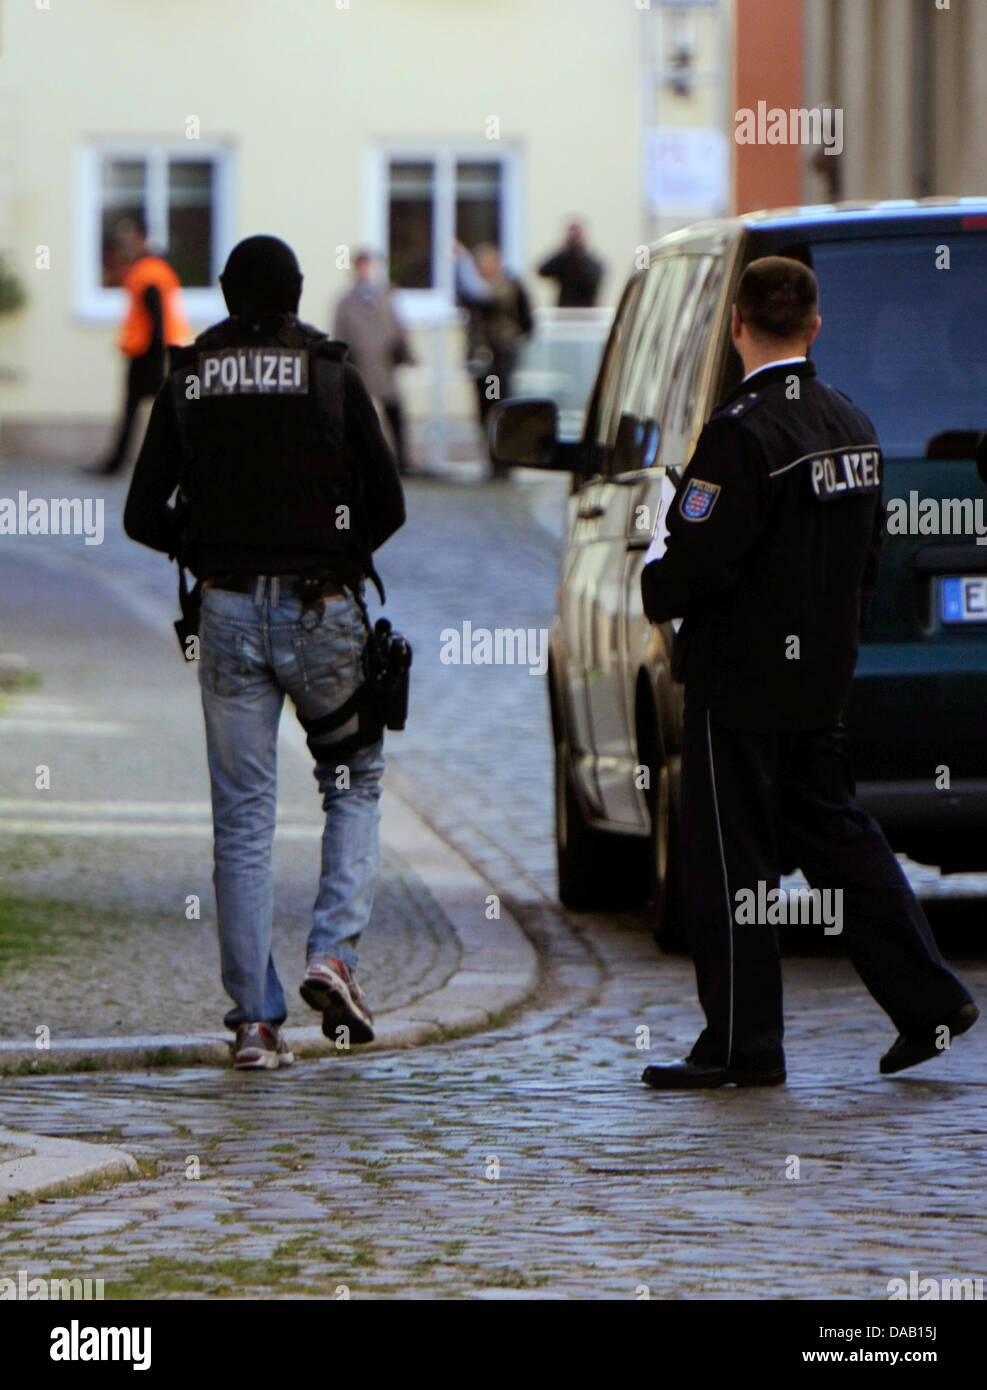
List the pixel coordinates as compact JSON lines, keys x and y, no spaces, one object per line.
{"x":903,"y":298}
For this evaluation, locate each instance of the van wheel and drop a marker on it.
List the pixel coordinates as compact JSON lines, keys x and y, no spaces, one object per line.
{"x":597,"y":869}
{"x":666,"y":902}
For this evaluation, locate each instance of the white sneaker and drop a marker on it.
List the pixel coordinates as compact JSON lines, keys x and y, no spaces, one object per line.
{"x":261,"y":1047}
{"x":330,"y":987}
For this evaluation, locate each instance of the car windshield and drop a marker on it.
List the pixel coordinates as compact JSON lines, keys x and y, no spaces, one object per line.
{"x":905,"y":339}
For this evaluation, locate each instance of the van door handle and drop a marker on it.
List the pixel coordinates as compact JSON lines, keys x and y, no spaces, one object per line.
{"x":591,"y":512}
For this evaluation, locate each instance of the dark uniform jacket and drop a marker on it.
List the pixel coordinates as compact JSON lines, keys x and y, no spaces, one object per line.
{"x":579,"y":275}
{"x":772,"y":553}
{"x":265,"y":460}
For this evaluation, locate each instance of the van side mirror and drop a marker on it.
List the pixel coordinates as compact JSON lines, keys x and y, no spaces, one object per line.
{"x":524,"y":434}
{"x":636,"y":445}
{"x":953,"y":444}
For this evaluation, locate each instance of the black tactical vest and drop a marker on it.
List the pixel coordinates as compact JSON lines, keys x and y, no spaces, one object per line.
{"x":266,"y":475}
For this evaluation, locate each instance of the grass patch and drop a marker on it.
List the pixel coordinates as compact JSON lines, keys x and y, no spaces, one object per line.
{"x":29,"y":852}
{"x":162,"y":1057}
{"x":31,"y":1066}
{"x":507,"y":1278}
{"x":23,"y":680}
{"x":225,"y":1278}
{"x":27,"y":927}
{"x":298,"y":1245}
{"x":30,"y":926}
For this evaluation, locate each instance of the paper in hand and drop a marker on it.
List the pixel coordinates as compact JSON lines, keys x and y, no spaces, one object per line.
{"x":659,"y":540}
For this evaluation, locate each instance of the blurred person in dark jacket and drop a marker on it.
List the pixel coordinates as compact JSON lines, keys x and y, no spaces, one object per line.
{"x":577,"y":271}
{"x":499,"y":321}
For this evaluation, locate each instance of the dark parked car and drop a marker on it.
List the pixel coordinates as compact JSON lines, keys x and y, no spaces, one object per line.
{"x":903,"y":290}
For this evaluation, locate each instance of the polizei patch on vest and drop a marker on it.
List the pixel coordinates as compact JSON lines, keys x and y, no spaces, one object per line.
{"x":699,"y":499}
{"x":254,"y":371}
{"x":845,"y":471}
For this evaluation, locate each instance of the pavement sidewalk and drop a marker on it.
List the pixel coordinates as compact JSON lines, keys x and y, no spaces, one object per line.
{"x":32,"y":1163}
{"x":108,"y":954}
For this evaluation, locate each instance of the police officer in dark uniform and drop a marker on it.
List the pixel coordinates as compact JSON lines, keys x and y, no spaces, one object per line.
{"x":771,"y":559}
{"x":285,"y":487}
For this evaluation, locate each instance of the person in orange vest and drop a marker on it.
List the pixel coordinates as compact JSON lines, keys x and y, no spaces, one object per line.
{"x":154,"y":322}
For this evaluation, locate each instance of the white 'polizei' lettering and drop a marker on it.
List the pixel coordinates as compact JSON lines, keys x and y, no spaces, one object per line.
{"x":243,"y":360}
{"x":234,"y":371}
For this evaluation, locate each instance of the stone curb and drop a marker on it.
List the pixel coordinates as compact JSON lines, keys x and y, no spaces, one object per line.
{"x":45,"y":1164}
{"x":497,"y":972}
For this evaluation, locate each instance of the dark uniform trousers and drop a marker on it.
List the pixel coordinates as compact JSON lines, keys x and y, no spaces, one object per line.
{"x":144,"y":377}
{"x":753,"y":804}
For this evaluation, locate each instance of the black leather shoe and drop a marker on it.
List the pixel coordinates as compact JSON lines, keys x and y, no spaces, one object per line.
{"x":695,"y":1076}
{"x":908,"y":1052}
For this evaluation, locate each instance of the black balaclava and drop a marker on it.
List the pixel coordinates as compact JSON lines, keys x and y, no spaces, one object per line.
{"x":261,"y":280}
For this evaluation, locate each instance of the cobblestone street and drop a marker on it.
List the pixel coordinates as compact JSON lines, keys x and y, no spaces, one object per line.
{"x":531,"y":1161}
{"x":527,"y":1160}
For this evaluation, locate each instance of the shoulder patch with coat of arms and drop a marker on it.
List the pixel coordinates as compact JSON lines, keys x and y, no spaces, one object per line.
{"x":699,"y":499}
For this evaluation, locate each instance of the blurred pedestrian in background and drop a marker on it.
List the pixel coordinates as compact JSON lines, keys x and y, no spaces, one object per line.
{"x":367,"y":321}
{"x":578,"y":273}
{"x":499,"y":321}
{"x":154,"y":322}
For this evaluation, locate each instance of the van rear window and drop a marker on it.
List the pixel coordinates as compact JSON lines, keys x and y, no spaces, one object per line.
{"x":904,"y":338}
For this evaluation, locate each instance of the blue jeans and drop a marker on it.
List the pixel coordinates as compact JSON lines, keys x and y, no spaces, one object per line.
{"x":255,"y":648}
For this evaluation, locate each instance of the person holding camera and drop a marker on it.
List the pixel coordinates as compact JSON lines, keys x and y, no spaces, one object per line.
{"x":498,"y":321}
{"x":286,"y":486}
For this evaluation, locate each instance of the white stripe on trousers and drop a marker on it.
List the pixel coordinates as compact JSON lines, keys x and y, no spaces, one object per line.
{"x":726,"y":883}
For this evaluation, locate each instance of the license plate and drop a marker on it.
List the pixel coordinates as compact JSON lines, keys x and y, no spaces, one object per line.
{"x":964,"y":599}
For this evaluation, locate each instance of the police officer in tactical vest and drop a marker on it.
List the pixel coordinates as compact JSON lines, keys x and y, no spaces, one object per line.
{"x":770,"y":562}
{"x":285,"y":488}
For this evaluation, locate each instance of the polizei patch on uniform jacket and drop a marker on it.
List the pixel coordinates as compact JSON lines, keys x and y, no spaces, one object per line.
{"x":699,"y":499}
{"x":254,"y":371}
{"x":845,"y":471}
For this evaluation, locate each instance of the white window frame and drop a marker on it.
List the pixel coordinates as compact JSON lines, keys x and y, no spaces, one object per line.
{"x":98,"y":303}
{"x":422,"y":307}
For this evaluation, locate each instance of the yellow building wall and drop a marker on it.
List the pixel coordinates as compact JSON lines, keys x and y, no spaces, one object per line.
{"x":301,"y":89}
